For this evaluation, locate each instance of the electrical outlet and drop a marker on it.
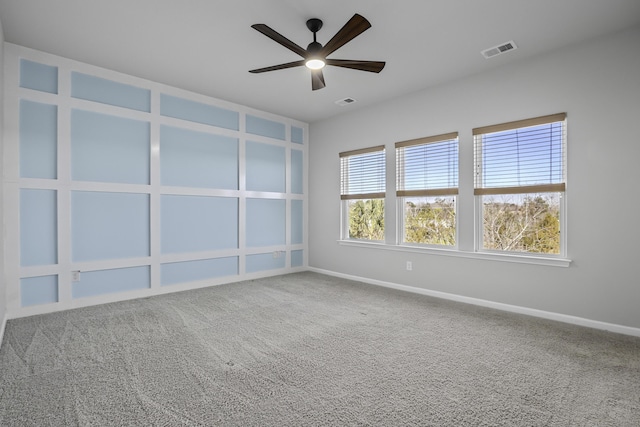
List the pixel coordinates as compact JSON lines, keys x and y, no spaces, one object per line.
{"x":75,"y":276}
{"x":409,"y":266}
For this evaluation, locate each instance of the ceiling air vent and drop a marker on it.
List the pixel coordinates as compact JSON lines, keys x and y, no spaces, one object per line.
{"x":497,"y":50}
{"x":345,"y":101}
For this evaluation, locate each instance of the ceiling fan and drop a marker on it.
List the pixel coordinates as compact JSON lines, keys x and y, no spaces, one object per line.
{"x":315,"y":55}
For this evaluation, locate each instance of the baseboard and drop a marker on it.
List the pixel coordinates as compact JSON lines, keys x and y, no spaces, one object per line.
{"x":565,"y":318}
{"x":2,"y":327}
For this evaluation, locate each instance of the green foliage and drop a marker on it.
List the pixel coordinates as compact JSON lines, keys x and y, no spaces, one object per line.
{"x":430,"y":223}
{"x":528,"y":225}
{"x":366,"y":219}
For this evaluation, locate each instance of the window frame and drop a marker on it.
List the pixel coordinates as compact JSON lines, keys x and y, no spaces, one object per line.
{"x":402,"y":194}
{"x":346,"y":196}
{"x":480,"y":191}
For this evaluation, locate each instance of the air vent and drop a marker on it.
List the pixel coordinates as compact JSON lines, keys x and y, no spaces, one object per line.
{"x":345,"y":101}
{"x":497,"y":50}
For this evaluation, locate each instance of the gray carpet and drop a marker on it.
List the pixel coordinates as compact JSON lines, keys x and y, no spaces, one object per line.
{"x":307,"y":350}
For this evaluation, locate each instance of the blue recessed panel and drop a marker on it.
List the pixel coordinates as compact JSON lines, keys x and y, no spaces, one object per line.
{"x":193,"y":111}
{"x":109,"y":225}
{"x":109,"y":149}
{"x":198,"y":223}
{"x":266,"y":222}
{"x":264,"y":127}
{"x":38,"y":227}
{"x":38,"y":290}
{"x":109,"y":92}
{"x":296,"y":172}
{"x":34,"y":75}
{"x":266,"y":167}
{"x":297,"y":135}
{"x":297,"y":258}
{"x":101,"y":282}
{"x":261,"y":262}
{"x":296,"y":222}
{"x":38,"y":140}
{"x":196,"y":159}
{"x":190,"y":271}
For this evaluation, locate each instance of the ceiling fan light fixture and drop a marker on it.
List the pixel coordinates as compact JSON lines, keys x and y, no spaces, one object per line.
{"x":314,"y":57}
{"x":315,"y":64}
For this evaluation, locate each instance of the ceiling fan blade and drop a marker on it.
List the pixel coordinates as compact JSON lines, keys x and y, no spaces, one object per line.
{"x":279,"y":38}
{"x":317,"y":79}
{"x":352,"y":29}
{"x":371,"y":66}
{"x":278,"y":67}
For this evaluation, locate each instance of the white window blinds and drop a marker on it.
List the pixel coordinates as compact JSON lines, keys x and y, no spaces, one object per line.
{"x":427,"y":166}
{"x":525,"y":156}
{"x":362,"y":173}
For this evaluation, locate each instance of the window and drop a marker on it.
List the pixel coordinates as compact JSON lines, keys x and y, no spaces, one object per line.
{"x":520,"y":185}
{"x":362,"y":191}
{"x":426,"y":187}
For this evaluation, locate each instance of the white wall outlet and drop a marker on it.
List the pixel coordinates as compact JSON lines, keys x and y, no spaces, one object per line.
{"x":409,"y":266}
{"x":75,"y":276}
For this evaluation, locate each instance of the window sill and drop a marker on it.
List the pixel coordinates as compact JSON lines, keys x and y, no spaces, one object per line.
{"x":491,"y":256}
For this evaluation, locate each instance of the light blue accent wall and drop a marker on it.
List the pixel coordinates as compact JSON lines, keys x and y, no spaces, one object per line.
{"x":34,"y":75}
{"x":193,"y":111}
{"x":190,"y":271}
{"x":297,"y":258}
{"x":106,"y":210}
{"x":296,"y":222}
{"x":196,"y":159}
{"x":109,"y":225}
{"x":109,"y":149}
{"x":38,"y":140}
{"x":263,"y":127}
{"x":109,"y":92}
{"x":260,"y":262}
{"x":297,"y":135}
{"x":103,"y":282}
{"x":198,"y":223}
{"x":38,"y":227}
{"x":266,"y":167}
{"x":266,"y":222}
{"x":38,"y":290}
{"x":297,"y":180}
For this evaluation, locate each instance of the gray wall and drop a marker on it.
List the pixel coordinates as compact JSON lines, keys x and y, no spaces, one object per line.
{"x":3,"y":305}
{"x":597,"y":83}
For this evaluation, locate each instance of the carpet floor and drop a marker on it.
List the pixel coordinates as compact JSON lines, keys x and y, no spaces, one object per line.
{"x":312,"y":350}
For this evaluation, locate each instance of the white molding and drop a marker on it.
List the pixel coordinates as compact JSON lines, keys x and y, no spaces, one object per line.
{"x":559,"y":317}
{"x":3,"y":328}
{"x":491,"y":256}
{"x":64,"y":186}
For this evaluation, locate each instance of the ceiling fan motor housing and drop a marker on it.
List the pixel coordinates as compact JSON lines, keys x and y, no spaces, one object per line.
{"x":314,"y":47}
{"x":314,"y":25}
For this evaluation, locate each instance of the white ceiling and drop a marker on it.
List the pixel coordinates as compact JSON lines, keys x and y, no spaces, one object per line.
{"x":208,"y":46}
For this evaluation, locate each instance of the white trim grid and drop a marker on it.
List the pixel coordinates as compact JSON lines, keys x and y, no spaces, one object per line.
{"x":64,"y":185}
